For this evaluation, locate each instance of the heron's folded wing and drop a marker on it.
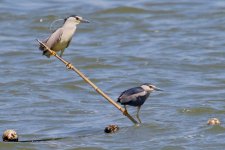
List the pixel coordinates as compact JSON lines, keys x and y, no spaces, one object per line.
{"x":54,"y":38}
{"x":130,"y":94}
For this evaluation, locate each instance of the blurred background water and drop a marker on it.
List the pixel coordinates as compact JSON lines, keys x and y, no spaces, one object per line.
{"x":177,"y":45}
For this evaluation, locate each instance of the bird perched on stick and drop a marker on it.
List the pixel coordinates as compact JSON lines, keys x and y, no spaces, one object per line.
{"x":60,"y":39}
{"x":136,"y":96}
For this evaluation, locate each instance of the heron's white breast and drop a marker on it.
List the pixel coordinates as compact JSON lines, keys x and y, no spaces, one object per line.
{"x":64,"y":39}
{"x":67,"y":34}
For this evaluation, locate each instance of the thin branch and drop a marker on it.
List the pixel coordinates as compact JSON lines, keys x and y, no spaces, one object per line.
{"x":71,"y":67}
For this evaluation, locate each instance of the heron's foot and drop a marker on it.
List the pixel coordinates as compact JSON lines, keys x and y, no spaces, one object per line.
{"x":137,"y":124}
{"x":125,"y":112}
{"x":69,"y":66}
{"x":53,"y":53}
{"x":139,"y":120}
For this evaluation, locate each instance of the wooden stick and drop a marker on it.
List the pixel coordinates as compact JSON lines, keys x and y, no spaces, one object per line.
{"x":70,"y":66}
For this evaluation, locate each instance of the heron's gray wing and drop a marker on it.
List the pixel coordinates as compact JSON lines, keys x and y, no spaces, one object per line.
{"x":54,"y":38}
{"x":132,"y":91}
{"x":130,"y":94}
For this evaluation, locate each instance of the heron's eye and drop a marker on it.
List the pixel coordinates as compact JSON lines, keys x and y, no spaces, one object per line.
{"x":77,"y":18}
{"x":150,"y":86}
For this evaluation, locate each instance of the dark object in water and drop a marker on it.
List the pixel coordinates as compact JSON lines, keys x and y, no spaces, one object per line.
{"x":111,"y":128}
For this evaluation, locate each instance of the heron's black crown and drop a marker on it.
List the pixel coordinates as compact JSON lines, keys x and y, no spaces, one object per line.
{"x":69,"y":17}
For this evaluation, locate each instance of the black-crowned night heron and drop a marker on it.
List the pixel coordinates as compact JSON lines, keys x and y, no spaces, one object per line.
{"x":60,"y":39}
{"x":136,"y":96}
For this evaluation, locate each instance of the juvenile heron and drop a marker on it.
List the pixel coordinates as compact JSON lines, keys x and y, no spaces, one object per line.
{"x":60,"y":39}
{"x":136,"y":96}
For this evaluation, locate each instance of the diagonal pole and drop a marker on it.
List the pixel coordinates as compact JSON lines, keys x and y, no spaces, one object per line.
{"x":71,"y":67}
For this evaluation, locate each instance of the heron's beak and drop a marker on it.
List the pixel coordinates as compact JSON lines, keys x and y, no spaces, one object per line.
{"x":157,"y":89}
{"x":84,"y":21}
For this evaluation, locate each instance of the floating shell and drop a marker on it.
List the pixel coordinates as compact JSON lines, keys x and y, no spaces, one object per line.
{"x":213,"y":121}
{"x":10,"y":136}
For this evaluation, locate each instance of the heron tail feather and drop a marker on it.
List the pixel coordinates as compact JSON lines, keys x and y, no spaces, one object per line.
{"x":118,"y":100}
{"x":46,"y":53}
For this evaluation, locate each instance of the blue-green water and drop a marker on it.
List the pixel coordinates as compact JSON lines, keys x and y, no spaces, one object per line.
{"x":178,"y":45}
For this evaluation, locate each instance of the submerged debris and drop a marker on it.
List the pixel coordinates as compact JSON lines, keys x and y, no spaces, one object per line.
{"x":111,"y":128}
{"x":10,"y":136}
{"x":213,"y":121}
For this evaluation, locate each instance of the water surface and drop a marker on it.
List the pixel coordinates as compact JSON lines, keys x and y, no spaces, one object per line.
{"x":176,"y":45}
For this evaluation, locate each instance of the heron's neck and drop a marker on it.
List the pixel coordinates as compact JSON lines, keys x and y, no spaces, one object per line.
{"x":146,"y":88}
{"x":69,"y":24}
